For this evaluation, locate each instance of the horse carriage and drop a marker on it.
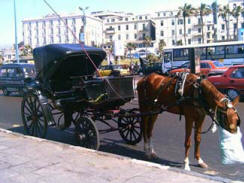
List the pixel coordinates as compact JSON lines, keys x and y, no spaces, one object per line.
{"x":66,"y":91}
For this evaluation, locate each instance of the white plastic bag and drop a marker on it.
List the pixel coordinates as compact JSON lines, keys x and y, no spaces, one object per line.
{"x":231,"y":147}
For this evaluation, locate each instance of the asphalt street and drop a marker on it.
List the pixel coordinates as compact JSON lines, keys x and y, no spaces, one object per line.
{"x":168,"y":140}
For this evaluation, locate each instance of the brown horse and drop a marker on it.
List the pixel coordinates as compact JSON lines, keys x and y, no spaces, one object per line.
{"x":157,"y":92}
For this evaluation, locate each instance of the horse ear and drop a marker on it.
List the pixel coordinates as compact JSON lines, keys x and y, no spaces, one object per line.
{"x":236,"y":100}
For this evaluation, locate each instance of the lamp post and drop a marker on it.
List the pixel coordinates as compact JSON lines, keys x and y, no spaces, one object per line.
{"x":16,"y":36}
{"x":82,"y":36}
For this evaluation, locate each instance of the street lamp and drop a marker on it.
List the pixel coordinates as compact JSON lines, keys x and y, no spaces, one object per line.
{"x":16,"y":36}
{"x":82,"y":36}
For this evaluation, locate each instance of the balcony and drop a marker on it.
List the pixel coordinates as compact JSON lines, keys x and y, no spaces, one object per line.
{"x":110,"y":31}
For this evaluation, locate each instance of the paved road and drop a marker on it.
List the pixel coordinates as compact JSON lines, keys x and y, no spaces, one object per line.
{"x":168,"y":140}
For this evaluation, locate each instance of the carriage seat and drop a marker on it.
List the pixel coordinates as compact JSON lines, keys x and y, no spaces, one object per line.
{"x":180,"y":83}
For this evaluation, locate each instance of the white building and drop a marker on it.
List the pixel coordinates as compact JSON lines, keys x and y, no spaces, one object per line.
{"x":105,"y":27}
{"x":50,"y":29}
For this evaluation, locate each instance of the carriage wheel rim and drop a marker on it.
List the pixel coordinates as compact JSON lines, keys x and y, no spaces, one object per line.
{"x":33,"y":118}
{"x":87,"y":133}
{"x":130,"y":130}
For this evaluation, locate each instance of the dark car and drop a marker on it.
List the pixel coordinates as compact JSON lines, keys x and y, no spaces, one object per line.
{"x":149,"y":67}
{"x":12,"y":77}
{"x":231,"y":81}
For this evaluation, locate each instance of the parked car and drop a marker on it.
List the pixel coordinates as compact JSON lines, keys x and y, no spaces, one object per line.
{"x":231,"y":82}
{"x":108,"y":70}
{"x":12,"y":77}
{"x":207,"y":68}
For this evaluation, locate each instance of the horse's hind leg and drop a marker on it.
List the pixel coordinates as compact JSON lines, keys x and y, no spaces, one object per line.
{"x":151,"y":123}
{"x":198,"y":129}
{"x":145,"y":134}
{"x":188,"y":130}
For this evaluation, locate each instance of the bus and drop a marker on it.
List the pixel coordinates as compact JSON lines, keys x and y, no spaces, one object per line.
{"x":229,"y":53}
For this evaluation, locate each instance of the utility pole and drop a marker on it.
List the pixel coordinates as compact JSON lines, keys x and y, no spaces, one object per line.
{"x":82,"y":35}
{"x":16,"y":36}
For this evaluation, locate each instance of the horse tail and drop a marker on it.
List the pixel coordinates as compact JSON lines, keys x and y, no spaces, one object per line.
{"x":142,"y":91}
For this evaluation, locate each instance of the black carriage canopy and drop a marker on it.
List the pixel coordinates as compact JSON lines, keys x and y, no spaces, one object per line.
{"x":60,"y":61}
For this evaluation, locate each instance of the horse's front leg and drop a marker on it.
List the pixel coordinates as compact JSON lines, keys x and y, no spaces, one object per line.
{"x":188,"y":130}
{"x":198,"y":130}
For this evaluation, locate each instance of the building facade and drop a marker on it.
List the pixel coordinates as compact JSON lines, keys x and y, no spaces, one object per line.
{"x":51,"y":29}
{"x":104,"y":27}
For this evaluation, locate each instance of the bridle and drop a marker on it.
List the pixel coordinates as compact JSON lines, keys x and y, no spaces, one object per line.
{"x":221,"y":115}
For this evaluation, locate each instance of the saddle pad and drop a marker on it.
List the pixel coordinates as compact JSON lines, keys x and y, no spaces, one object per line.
{"x":231,"y":147}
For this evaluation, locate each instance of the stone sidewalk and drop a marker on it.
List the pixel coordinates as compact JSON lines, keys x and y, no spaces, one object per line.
{"x":25,"y":159}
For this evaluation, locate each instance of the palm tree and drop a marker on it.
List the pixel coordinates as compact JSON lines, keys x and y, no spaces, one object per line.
{"x":161,"y":46}
{"x":225,"y":13}
{"x":215,"y":9}
{"x":185,"y":11}
{"x":130,"y":47}
{"x":203,"y":10}
{"x":236,"y":12}
{"x":147,"y":42}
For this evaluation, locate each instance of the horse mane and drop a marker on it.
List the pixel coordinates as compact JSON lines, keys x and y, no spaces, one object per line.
{"x":213,"y":96}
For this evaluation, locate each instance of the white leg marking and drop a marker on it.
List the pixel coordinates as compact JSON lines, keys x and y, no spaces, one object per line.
{"x":187,"y":166}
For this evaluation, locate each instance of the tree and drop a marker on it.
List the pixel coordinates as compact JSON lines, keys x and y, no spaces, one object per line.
{"x":215,"y":9}
{"x":179,"y":43}
{"x":147,"y":41}
{"x":130,"y":47}
{"x":236,"y":12}
{"x":186,"y":11}
{"x":225,"y":13}
{"x":161,"y":46}
{"x":203,"y":10}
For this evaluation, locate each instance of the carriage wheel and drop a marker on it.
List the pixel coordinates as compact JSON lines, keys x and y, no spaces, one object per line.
{"x":35,"y":123}
{"x":130,"y":129}
{"x":86,"y":133}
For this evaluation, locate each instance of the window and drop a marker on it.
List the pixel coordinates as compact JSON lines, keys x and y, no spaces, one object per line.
{"x":189,"y":41}
{"x":127,"y":36}
{"x":204,"y":65}
{"x":173,"y":32}
{"x":3,"y":72}
{"x":173,"y":22}
{"x":208,"y":35}
{"x":119,"y":27}
{"x":143,"y":26}
{"x":199,"y":30}
{"x":146,"y":17}
{"x":189,"y":31}
{"x":208,"y":27}
{"x":113,"y":20}
{"x":199,"y":20}
{"x":119,"y":37}
{"x":223,"y":37}
{"x":189,"y":21}
{"x":127,"y":27}
{"x":162,"y":23}
{"x":162,"y":33}
{"x":135,"y":36}
{"x":173,"y":42}
{"x":199,"y":40}
{"x":235,"y":25}
{"x":223,"y":26}
{"x":180,"y":31}
{"x":180,"y":22}
{"x":140,"y":17}
{"x":242,"y":25}
{"x":238,"y":73}
{"x":158,"y":14}
{"x":126,"y":19}
{"x":135,"y":26}
{"x":11,"y":72}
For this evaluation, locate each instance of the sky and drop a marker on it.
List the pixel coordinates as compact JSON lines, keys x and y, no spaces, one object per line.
{"x":37,"y":9}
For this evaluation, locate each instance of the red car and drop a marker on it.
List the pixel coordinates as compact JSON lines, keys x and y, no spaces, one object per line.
{"x":207,"y":68}
{"x":231,"y":82}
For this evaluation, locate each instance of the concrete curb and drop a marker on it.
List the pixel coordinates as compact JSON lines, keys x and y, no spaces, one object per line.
{"x":139,"y":162}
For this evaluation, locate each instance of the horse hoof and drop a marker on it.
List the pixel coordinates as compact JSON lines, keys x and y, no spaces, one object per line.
{"x":187,"y":168}
{"x":203,"y":165}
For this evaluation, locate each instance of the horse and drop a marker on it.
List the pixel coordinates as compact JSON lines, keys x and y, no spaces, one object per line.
{"x":156,"y":93}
